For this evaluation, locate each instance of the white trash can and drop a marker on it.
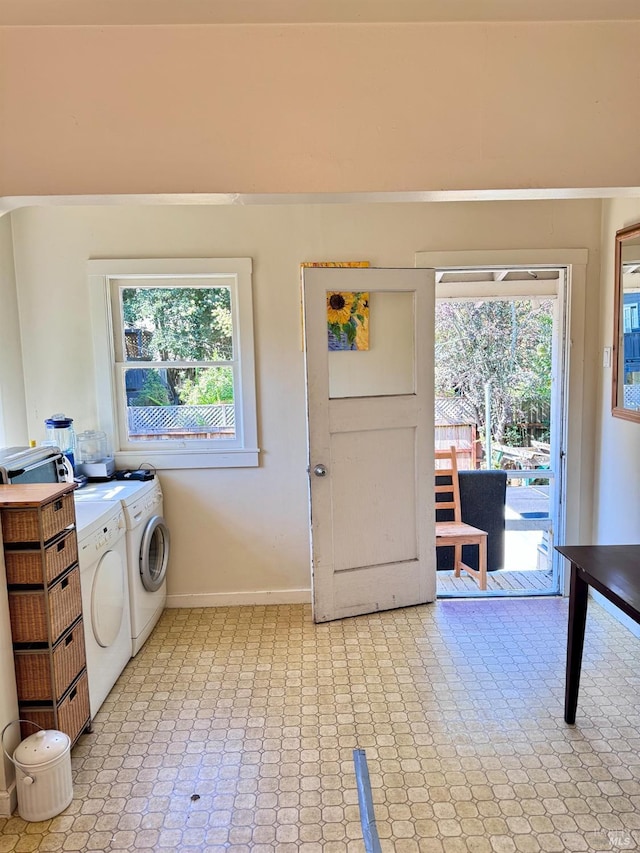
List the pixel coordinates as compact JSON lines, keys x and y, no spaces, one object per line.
{"x":43,"y":773}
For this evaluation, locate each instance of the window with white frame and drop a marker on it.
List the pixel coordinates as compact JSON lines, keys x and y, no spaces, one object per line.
{"x":174,"y":360}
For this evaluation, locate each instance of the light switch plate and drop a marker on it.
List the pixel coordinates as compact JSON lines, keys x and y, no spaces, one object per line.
{"x":606,"y":357}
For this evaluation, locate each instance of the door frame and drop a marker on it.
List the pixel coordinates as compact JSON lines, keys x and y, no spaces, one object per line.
{"x":575,"y":474}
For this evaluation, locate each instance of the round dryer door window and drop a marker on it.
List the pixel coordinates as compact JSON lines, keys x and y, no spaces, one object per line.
{"x":154,"y":553}
{"x":108,"y":599}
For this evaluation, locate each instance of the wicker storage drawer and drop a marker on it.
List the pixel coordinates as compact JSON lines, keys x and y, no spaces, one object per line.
{"x":33,"y":566}
{"x":38,"y":524}
{"x":70,"y":716}
{"x":45,"y":674}
{"x":45,"y":606}
{"x":33,"y":611}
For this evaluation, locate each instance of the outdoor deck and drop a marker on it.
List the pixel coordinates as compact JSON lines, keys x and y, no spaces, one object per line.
{"x":503,"y":581}
{"x":524,"y":571}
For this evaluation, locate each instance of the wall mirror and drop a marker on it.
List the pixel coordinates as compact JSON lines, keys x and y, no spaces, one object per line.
{"x":626,"y":332}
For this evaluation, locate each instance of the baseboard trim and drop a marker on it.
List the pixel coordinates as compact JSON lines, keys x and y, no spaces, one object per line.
{"x":8,"y":801}
{"x":234,"y":599}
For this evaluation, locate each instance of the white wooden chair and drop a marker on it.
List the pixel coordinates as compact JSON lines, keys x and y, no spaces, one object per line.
{"x":456,"y":533}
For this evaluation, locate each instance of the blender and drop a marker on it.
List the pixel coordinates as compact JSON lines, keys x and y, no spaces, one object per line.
{"x":60,"y":433}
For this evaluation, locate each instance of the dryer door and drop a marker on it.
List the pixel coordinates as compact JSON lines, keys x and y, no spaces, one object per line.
{"x":108,"y":598}
{"x":154,"y":553}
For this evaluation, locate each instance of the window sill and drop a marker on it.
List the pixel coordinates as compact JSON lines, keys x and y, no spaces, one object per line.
{"x":165,"y":460}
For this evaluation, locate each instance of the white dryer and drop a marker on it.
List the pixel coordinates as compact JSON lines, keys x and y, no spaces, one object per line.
{"x":102,"y":555}
{"x":148,"y":545}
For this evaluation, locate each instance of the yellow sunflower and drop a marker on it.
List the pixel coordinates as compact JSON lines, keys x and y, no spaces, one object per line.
{"x":339,"y":307}
{"x":362,"y":334}
{"x":363,"y":304}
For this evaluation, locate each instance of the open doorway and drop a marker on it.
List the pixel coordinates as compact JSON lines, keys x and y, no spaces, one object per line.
{"x":499,"y":376}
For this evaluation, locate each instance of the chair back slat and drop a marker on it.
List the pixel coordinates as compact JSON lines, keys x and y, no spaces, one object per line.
{"x":456,"y":533}
{"x":452,"y":488}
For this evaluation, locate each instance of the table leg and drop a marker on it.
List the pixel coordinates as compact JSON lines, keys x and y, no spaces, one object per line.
{"x":578,"y":596}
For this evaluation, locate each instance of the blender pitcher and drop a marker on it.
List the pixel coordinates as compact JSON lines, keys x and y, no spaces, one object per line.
{"x":60,"y":433}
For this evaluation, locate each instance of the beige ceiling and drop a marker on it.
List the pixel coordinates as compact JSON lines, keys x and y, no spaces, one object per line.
{"x":114,"y":12}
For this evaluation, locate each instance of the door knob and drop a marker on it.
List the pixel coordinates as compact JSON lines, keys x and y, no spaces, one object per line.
{"x":320,"y":471}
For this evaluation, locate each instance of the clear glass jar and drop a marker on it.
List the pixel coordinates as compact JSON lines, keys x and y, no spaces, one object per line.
{"x":92,"y":446}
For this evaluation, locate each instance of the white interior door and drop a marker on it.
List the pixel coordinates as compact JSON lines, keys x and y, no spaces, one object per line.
{"x":370,"y":430}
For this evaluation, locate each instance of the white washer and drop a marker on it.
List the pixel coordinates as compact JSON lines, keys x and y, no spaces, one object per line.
{"x":102,"y":555}
{"x":147,"y":540}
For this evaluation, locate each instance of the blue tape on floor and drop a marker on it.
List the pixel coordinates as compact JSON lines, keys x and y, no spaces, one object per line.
{"x":365,"y":800}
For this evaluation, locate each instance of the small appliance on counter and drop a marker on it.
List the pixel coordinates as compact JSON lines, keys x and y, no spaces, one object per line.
{"x":93,"y":457}
{"x":19,"y":465}
{"x":60,"y":433}
{"x":140,"y":474}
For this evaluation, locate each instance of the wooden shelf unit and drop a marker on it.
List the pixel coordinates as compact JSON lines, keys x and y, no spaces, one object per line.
{"x":45,"y":606}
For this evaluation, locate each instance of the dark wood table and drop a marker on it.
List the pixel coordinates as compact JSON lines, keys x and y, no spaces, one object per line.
{"x":612,"y":570}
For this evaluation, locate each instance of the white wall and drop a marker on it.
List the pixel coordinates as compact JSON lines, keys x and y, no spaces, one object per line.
{"x":13,"y":429}
{"x":13,"y":416}
{"x":239,"y":532}
{"x":616,"y":517}
{"x":617,"y":483}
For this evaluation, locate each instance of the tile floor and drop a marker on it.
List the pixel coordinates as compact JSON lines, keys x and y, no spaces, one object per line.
{"x":233,"y":730}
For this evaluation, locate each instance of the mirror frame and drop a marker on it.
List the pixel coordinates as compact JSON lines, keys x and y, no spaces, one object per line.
{"x":616,"y":410}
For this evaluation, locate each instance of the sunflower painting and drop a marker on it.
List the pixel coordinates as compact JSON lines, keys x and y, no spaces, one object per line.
{"x":362,"y":330}
{"x":348,"y":320}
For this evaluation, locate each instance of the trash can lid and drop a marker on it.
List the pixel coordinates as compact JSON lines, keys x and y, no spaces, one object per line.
{"x":42,"y":747}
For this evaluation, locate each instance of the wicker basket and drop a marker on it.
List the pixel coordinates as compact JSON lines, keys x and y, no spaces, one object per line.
{"x":38,"y":524}
{"x":41,"y":674}
{"x":32,"y":611}
{"x":71,"y":716}
{"x":33,"y":567}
